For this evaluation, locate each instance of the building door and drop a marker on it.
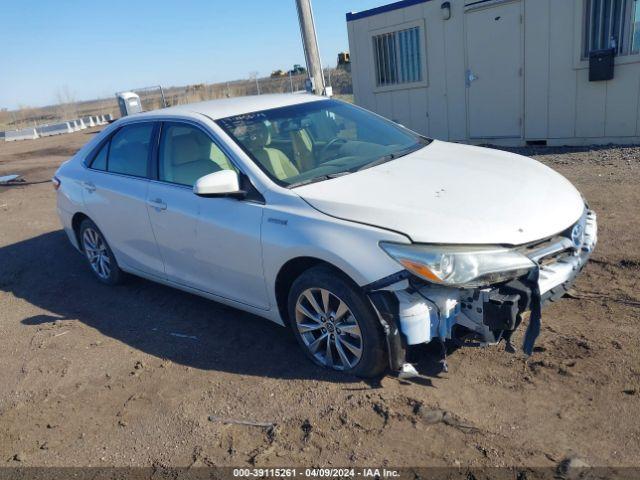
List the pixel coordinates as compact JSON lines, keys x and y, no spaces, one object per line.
{"x":494,"y":74}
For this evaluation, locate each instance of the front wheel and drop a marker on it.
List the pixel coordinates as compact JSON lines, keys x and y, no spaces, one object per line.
{"x":335,"y":325}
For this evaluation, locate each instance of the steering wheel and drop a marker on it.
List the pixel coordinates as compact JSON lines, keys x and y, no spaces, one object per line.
{"x":332,"y":144}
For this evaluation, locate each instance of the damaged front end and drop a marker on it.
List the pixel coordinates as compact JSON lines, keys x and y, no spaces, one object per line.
{"x":486,"y":290}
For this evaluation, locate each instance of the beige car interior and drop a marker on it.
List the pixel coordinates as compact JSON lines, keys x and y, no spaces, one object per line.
{"x":273,"y":159}
{"x":188,"y":154}
{"x":303,"y":150}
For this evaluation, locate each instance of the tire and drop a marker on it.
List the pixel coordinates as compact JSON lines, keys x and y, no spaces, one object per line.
{"x":98,"y":254}
{"x":344,"y":335}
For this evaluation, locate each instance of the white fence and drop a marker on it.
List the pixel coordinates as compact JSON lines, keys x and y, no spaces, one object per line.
{"x":61,"y":128}
{"x":22,"y":134}
{"x":54,"y":129}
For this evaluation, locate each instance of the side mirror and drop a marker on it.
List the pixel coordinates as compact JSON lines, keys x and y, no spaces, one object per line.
{"x":224,"y":183}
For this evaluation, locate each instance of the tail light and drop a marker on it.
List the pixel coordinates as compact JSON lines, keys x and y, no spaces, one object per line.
{"x":56,"y":183}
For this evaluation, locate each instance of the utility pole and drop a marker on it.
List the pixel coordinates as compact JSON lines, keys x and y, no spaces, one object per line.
{"x":310,"y":44}
{"x":164,"y":101}
{"x":254,"y":76}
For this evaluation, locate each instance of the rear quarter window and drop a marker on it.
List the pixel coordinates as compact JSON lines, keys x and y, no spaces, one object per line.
{"x":99,"y":161}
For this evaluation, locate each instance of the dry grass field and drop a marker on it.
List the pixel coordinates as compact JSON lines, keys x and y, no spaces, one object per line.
{"x":142,"y":374}
{"x":151,"y":98}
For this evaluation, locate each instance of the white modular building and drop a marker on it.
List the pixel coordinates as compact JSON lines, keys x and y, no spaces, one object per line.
{"x":511,"y":72}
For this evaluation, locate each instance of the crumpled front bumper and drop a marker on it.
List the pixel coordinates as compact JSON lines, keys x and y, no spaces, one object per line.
{"x":556,"y":277}
{"x":414,"y":312}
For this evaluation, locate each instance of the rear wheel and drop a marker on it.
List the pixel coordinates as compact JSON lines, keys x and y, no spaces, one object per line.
{"x":98,"y":254}
{"x":335,"y":325}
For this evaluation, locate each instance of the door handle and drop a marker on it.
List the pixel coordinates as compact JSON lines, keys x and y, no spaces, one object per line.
{"x":158,"y":204}
{"x":89,"y":187}
{"x":471,"y":77}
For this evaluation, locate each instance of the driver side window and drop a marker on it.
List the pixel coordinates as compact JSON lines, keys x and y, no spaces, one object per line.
{"x":187,"y":153}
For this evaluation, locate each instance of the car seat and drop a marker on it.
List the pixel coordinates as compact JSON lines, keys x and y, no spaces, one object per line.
{"x":274,"y":160}
{"x":189,"y":160}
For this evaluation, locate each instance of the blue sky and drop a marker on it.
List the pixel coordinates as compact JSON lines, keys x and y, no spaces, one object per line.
{"x":97,"y":47}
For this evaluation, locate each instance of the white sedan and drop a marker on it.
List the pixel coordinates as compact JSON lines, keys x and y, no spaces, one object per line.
{"x":362,"y":236}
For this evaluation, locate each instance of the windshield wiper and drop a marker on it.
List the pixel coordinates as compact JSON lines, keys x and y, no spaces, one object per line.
{"x":319,"y":178}
{"x":388,"y":157}
{"x":378,"y":161}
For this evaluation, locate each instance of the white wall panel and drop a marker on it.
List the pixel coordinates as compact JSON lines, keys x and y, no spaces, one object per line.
{"x":562,"y":76}
{"x":590,"y":106}
{"x":622,"y":102}
{"x":438,"y":114}
{"x":401,"y":107}
{"x":536,"y":68}
{"x":419,"y":108}
{"x":454,"y":69}
{"x":384,"y":105}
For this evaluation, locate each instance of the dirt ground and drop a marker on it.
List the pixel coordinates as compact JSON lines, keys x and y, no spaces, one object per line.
{"x":145,"y":375}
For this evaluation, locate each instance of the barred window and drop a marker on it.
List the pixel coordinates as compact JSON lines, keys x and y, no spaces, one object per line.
{"x":612,"y":24}
{"x":397,"y":57}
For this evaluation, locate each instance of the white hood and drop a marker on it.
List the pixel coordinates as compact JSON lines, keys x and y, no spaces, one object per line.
{"x":452,"y":193}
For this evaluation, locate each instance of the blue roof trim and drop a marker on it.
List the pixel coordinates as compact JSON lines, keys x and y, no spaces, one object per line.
{"x":384,"y":8}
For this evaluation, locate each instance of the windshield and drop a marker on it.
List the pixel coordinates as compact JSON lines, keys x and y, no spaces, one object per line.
{"x":318,"y":140}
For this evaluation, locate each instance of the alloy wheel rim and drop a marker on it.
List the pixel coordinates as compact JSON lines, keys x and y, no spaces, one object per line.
{"x":95,"y":249}
{"x":328,"y":329}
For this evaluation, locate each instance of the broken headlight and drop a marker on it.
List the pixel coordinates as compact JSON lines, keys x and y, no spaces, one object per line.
{"x":458,"y":265}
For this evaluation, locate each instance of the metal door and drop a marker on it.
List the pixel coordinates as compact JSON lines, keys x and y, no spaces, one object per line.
{"x":494,"y":75}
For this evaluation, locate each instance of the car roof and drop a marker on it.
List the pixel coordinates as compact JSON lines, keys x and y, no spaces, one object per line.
{"x":227,"y":107}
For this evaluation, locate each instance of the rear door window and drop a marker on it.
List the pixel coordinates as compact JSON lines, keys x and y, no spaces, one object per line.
{"x":129,"y":151}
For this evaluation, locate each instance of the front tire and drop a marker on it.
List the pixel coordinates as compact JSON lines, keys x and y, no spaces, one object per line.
{"x":335,"y":325}
{"x":99,"y":256}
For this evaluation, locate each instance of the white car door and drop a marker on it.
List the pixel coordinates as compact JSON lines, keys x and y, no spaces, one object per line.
{"x":211,"y":244}
{"x":115,"y":193}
